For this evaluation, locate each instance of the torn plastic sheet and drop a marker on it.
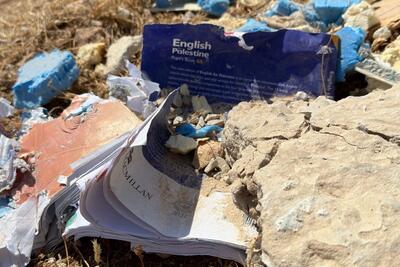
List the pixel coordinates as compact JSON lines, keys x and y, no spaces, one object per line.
{"x":220,"y":67}
{"x":189,"y":130}
{"x":6,"y":109}
{"x":135,"y":90}
{"x":17,"y":232}
{"x":7,"y":167}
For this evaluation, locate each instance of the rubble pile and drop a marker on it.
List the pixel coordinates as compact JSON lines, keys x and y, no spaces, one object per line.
{"x":203,"y":150}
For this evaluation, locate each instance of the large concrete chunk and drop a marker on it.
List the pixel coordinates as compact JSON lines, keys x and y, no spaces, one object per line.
{"x":322,"y":178}
{"x":331,"y":198}
{"x":377,"y":113}
{"x":44,"y":77}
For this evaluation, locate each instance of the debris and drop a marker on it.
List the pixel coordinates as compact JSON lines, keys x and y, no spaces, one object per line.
{"x":44,"y":77}
{"x":301,"y":96}
{"x":90,"y":55}
{"x":205,"y":152}
{"x":229,"y":22}
{"x":218,"y":164}
{"x":212,"y":117}
{"x":378,"y":71}
{"x":391,"y":55}
{"x":178,"y":120}
{"x":200,"y":104}
{"x":252,"y":3}
{"x":351,"y":40}
{"x":188,"y":129}
{"x":201,"y":123}
{"x":86,"y":125}
{"x":283,"y":8}
{"x":217,"y":122}
{"x":209,"y":72}
{"x":253,"y":25}
{"x":33,"y":116}
{"x":383,"y":33}
{"x":214,"y":7}
{"x":7,"y":168}
{"x":387,"y":11}
{"x":6,"y":110}
{"x":360,"y":15}
{"x":330,"y":11}
{"x":138,"y":93}
{"x":121,"y":50}
{"x":181,"y":144}
{"x":175,"y":5}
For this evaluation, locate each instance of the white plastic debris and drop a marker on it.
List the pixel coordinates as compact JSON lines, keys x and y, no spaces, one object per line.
{"x":7,"y":168}
{"x":6,"y":109}
{"x":181,"y":144}
{"x":361,"y":15}
{"x":134,"y":90}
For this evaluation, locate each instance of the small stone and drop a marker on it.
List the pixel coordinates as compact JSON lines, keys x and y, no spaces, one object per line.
{"x":187,"y":100}
{"x":300,"y":95}
{"x":217,"y":163}
{"x":122,"y":49}
{"x":184,"y":90}
{"x":177,"y":101}
{"x":210,"y":117}
{"x":177,"y":120}
{"x":383,"y":33}
{"x":100,"y":69}
{"x":200,"y":123}
{"x":205,"y":152}
{"x":200,"y":104}
{"x":91,"y":54}
{"x":217,"y":122}
{"x":181,"y":144}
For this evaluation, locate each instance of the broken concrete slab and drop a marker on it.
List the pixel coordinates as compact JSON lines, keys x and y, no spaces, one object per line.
{"x":329,"y":187}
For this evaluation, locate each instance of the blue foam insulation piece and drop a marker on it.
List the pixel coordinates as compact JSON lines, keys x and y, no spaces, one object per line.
{"x":283,"y":8}
{"x":253,"y":25}
{"x":44,"y":77}
{"x":331,"y":11}
{"x":214,"y":7}
{"x":189,"y":130}
{"x":350,"y":41}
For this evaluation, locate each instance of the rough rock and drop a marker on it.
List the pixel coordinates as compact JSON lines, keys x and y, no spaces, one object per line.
{"x":391,"y":54}
{"x":328,"y":192}
{"x":122,"y":49}
{"x":91,"y":54}
{"x":218,"y":164}
{"x":382,"y":32}
{"x":205,"y":152}
{"x":181,"y":144}
{"x":212,"y":117}
{"x":201,"y":105}
{"x":217,"y":122}
{"x":246,"y":127}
